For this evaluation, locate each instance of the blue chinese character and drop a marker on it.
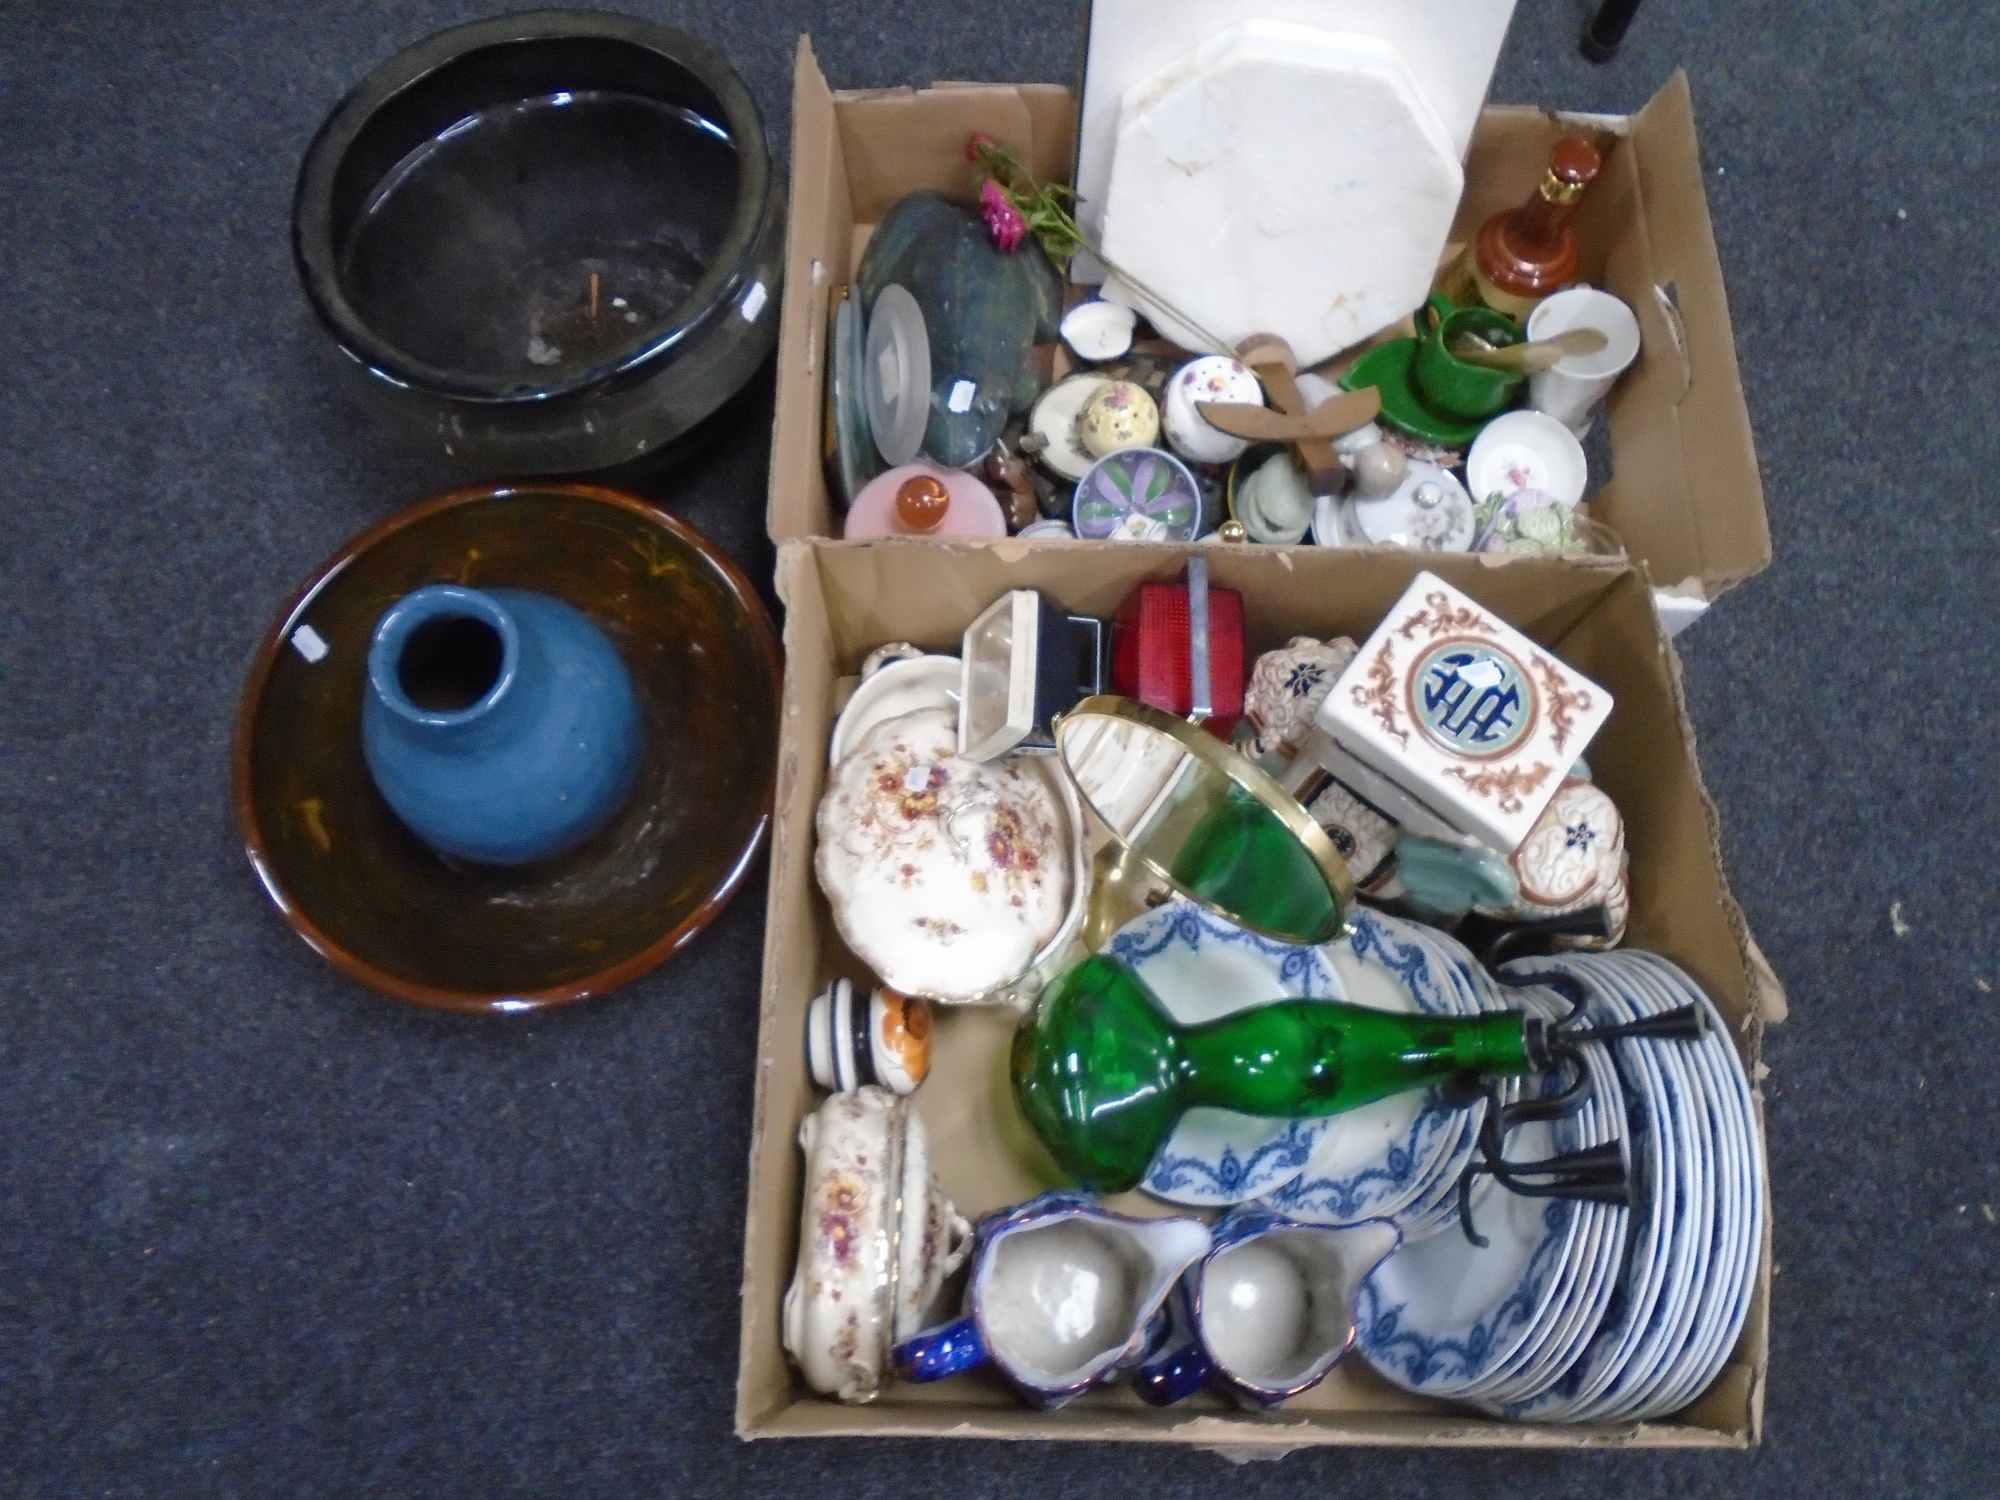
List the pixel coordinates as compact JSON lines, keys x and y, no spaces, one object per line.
{"x":1471,"y":698}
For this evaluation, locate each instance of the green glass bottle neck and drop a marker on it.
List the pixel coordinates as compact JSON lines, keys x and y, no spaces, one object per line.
{"x":1298,"y":1058}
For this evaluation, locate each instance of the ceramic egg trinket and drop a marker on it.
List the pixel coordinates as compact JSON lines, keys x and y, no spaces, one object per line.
{"x":1052,"y":423}
{"x":1379,"y":470}
{"x":946,"y":876}
{"x":1118,"y":417}
{"x":1213,"y":377}
{"x":876,"y":1241}
{"x":885,"y":1039}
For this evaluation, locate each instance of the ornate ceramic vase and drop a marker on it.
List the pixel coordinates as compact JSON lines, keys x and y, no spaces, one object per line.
{"x":500,"y":725}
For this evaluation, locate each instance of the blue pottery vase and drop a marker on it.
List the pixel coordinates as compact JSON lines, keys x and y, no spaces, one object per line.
{"x":500,"y":725}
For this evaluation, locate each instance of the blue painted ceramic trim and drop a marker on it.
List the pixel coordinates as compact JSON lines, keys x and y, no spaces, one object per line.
{"x":933,"y":1354}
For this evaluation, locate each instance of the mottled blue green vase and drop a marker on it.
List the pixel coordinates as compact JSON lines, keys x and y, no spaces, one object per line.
{"x":500,"y":725}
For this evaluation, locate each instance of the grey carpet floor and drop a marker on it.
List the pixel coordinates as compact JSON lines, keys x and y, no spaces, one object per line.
{"x":263,"y":1233}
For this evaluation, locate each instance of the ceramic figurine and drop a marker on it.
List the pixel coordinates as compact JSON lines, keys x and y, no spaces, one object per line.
{"x":1013,"y":488}
{"x":1098,"y":330}
{"x":1213,"y":377}
{"x":876,"y":1241}
{"x":1574,"y":857}
{"x":1525,"y":521}
{"x":1063,"y":1297}
{"x":1462,"y":713}
{"x":1118,"y":417}
{"x":886,"y":1040}
{"x":1443,"y":881}
{"x":1268,"y":1311}
{"x":946,"y":876}
{"x":1138,"y":495}
{"x":1286,"y":688}
{"x":500,"y":725}
{"x":1274,"y":504}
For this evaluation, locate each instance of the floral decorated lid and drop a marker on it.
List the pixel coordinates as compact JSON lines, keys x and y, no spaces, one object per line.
{"x":946,"y":875}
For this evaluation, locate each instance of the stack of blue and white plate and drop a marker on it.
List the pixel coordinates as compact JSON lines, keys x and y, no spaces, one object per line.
{"x":1583,"y":1311}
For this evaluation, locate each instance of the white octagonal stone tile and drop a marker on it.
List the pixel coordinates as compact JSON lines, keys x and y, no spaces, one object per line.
{"x":1281,"y":179}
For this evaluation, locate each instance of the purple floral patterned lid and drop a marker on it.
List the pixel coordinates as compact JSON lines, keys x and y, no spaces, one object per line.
{"x":1138,"y":494}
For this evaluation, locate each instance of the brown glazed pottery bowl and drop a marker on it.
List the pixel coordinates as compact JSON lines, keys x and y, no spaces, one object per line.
{"x":380,"y":904}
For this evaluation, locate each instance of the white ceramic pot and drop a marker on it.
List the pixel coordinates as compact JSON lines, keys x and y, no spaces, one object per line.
{"x":1213,"y":377}
{"x":1570,"y":389}
{"x":876,"y":1241}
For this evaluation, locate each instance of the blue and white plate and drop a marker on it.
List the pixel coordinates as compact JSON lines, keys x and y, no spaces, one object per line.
{"x":1203,"y":968}
{"x":1438,"y":1316}
{"x":1381,"y":1160}
{"x":1652,"y":1144}
{"x":1445,"y":1317}
{"x":1580,"y":1304}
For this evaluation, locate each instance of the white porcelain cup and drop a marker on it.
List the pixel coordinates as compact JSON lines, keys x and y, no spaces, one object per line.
{"x":1570,"y":389}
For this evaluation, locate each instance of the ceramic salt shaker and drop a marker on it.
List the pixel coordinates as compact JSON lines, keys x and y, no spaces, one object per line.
{"x":884,"y":1040}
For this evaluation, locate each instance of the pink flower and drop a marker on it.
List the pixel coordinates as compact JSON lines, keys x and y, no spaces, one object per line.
{"x":1003,"y":219}
{"x":978,"y":140}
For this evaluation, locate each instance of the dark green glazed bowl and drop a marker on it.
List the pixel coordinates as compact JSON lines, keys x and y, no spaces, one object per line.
{"x":380,"y":904}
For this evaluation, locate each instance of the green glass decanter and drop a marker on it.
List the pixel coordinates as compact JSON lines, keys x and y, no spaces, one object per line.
{"x":1103,"y":1073}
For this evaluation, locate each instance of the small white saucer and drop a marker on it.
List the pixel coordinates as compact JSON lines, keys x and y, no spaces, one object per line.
{"x":1527,"y":450}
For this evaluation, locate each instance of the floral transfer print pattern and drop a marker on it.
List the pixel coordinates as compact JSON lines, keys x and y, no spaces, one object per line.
{"x":922,"y":852}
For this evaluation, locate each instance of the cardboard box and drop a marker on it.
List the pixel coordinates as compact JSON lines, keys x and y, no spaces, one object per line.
{"x":843,"y":599}
{"x":1684,"y":494}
